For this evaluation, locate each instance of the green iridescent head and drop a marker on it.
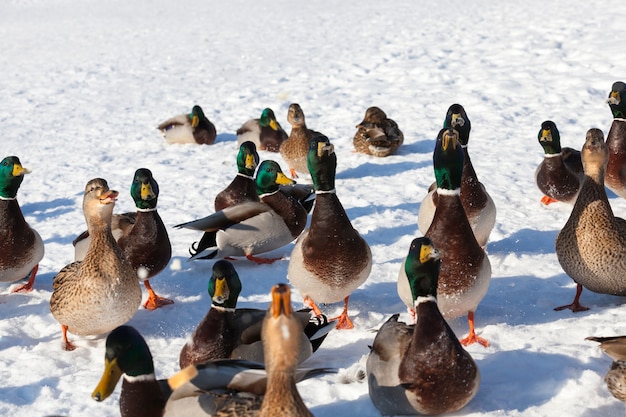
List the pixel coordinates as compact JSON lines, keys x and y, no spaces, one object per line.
{"x":11,"y":176}
{"x":224,"y":285}
{"x":247,"y":159}
{"x":269,"y":176}
{"x":448,"y":160}
{"x":457,"y":119}
{"x":196,"y":115}
{"x":144,"y":190}
{"x":422,"y":268}
{"x":268,"y":119}
{"x":322,"y":162}
{"x":549,"y":138}
{"x":616,"y":100}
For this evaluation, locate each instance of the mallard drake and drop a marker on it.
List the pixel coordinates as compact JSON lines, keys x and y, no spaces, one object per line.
{"x":560,"y":173}
{"x":377,"y":135}
{"x":420,"y":368}
{"x":295,"y":149}
{"x":230,"y":332}
{"x":615,"y":347}
{"x":591,"y":246}
{"x":141,"y":235}
{"x":265,"y":132}
{"x":101,"y":292}
{"x":477,"y":203}
{"x":615,"y":177}
{"x":466,"y":271}
{"x":189,"y":128}
{"x":199,"y":390}
{"x":21,"y":247}
{"x":250,"y":228}
{"x":330,"y":259}
{"x":242,"y":188}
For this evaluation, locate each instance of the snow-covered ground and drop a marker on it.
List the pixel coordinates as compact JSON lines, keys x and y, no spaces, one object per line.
{"x":84,"y":84}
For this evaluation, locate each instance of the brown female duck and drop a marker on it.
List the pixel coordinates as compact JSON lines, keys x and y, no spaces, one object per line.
{"x":295,"y":149}
{"x":377,"y":135}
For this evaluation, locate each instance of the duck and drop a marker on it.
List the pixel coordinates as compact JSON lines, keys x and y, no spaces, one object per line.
{"x":242,"y":188}
{"x":194,"y":127}
{"x":235,"y":333}
{"x":265,"y":132}
{"x":142,"y":235}
{"x":466,"y":270}
{"x":615,"y":378}
{"x":591,"y":246}
{"x":21,"y":246}
{"x":615,"y":176}
{"x":250,"y":228}
{"x":216,"y":387}
{"x":478,"y":204}
{"x":330,"y":259}
{"x":560,"y":173}
{"x":295,"y":148}
{"x":420,"y":368}
{"x":101,"y":292}
{"x":377,"y":135}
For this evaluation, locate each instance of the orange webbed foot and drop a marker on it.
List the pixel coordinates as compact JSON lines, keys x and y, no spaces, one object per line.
{"x":154,"y":301}
{"x":548,"y":200}
{"x":31,"y":280}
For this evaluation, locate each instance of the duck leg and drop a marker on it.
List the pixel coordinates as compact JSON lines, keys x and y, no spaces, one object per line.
{"x":31,"y":280}
{"x":308,"y":301}
{"x":575,"y":306}
{"x":154,"y":301}
{"x":548,"y":200}
{"x":69,"y":346}
{"x":293,"y":173}
{"x":343,"y":321}
{"x":472,"y":337}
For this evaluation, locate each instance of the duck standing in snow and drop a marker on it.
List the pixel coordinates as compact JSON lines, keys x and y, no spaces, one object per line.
{"x":616,"y":141}
{"x":295,"y":149}
{"x":101,"y":292}
{"x":194,"y":127}
{"x":377,"y":135}
{"x":560,"y":173}
{"x":591,"y":246}
{"x":265,"y":132}
{"x":420,"y":368}
{"x":477,"y":203}
{"x":330,"y":259}
{"x":21,"y":247}
{"x":466,"y":270}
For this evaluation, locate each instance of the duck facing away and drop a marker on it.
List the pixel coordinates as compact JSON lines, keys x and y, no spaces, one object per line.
{"x":330,"y":259}
{"x":466,"y":270}
{"x":242,"y":188}
{"x":101,"y":292}
{"x":420,"y":368}
{"x":615,"y":348}
{"x":377,"y":135}
{"x":616,"y":141}
{"x":250,"y":228}
{"x":265,"y":132}
{"x":560,"y":173}
{"x":477,"y":203}
{"x":21,"y":247}
{"x":141,"y":235}
{"x":591,"y":246}
{"x":204,"y":395}
{"x":295,"y":149}
{"x":194,"y":127}
{"x":235,"y":333}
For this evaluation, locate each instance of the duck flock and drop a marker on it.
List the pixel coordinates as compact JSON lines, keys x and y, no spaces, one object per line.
{"x":374,"y":262}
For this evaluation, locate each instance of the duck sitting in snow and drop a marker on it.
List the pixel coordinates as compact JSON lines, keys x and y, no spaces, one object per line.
{"x":616,"y":141}
{"x":330,"y":259}
{"x":377,"y":135}
{"x":466,"y":271}
{"x":194,"y":127}
{"x":477,"y":203}
{"x":21,"y":247}
{"x":295,"y":149}
{"x":141,"y":235}
{"x":591,"y":246}
{"x":242,"y":188}
{"x":250,"y":228}
{"x":235,"y":333}
{"x":228,"y":387}
{"x":101,"y":292}
{"x":265,"y":132}
{"x":560,"y":173}
{"x":420,"y":368}
{"x":615,"y":347}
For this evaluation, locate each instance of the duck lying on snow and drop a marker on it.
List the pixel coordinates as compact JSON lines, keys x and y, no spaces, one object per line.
{"x":194,"y":127}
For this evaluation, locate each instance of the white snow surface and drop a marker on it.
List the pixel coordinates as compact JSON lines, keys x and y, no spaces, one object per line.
{"x":85,"y":83}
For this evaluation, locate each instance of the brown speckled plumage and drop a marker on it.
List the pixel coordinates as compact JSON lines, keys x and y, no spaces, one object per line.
{"x":377,"y":135}
{"x":591,"y":246}
{"x":101,"y":292}
{"x":294,"y":150}
{"x":615,"y":378}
